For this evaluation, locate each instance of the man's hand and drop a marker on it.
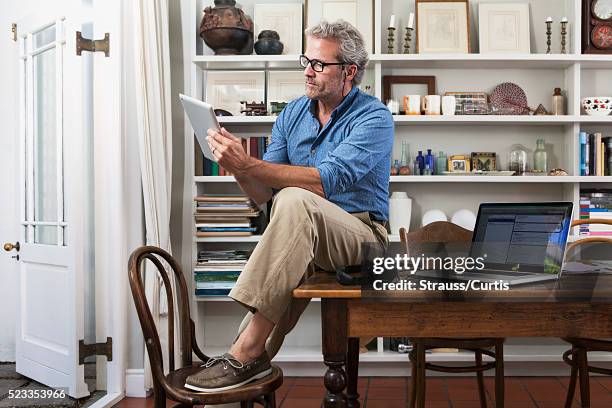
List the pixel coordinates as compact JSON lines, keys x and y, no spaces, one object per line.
{"x":228,"y":150}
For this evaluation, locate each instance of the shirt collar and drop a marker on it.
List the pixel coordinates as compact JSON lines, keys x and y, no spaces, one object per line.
{"x":346,"y":102}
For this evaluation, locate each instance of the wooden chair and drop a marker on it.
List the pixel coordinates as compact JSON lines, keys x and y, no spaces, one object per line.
{"x":576,"y":357}
{"x":171,"y":386}
{"x":445,"y":232}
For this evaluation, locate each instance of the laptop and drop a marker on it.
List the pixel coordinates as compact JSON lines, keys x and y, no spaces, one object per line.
{"x":519,"y":243}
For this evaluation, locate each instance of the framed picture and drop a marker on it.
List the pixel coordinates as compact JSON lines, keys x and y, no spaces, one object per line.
{"x":443,"y":26}
{"x":503,"y":28}
{"x":225,"y":89}
{"x":284,"y":86}
{"x":286,"y":19}
{"x":360,"y":13}
{"x":429,"y":83}
{"x":484,"y":161}
{"x":458,"y":164}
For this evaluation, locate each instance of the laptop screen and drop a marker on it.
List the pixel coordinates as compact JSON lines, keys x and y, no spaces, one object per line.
{"x":526,"y":237}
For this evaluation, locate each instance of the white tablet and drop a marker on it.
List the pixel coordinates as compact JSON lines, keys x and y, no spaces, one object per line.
{"x":202,"y":117}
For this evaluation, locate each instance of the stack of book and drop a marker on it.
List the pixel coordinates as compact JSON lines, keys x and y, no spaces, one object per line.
{"x":220,"y":215}
{"x":595,"y":154}
{"x":216,"y":272}
{"x":596,"y":204}
{"x":253,"y":146}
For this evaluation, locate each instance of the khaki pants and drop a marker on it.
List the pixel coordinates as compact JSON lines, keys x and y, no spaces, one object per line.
{"x":306,"y":232}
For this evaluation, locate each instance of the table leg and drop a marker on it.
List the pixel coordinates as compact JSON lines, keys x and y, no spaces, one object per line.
{"x":334,"y":333}
{"x":352,"y":372}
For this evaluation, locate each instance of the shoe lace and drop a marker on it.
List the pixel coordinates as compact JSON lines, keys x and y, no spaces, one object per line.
{"x":223,"y":360}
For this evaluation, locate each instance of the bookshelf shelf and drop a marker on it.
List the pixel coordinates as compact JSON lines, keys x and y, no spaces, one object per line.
{"x":457,"y":179}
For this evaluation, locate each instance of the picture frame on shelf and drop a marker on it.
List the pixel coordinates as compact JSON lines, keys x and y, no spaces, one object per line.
{"x":503,"y":28}
{"x":284,"y":18}
{"x":443,"y":26}
{"x":596,"y":27}
{"x":225,"y":89}
{"x":484,"y":161}
{"x":360,"y":13}
{"x":284,"y":86}
{"x":458,"y":163}
{"x":389,"y":80}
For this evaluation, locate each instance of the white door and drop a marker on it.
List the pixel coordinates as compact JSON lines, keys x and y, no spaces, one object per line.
{"x":55,"y":246}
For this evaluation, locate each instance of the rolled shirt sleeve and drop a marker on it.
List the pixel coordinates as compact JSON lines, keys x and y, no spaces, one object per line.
{"x":369,"y":141}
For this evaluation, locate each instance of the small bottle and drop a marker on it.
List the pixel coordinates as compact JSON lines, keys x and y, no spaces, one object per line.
{"x":395,"y":168}
{"x":430,"y":161}
{"x":421,"y":161}
{"x":427,"y":170}
{"x":558,"y":103}
{"x":405,"y":159}
{"x":540,"y":157}
{"x":415,"y":167}
{"x":441,"y":163}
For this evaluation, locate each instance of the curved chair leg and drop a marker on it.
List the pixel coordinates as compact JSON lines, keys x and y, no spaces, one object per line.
{"x":270,"y":400}
{"x":571,"y":389}
{"x":246,"y":404}
{"x":480,"y":379}
{"x":159,"y":396}
{"x":499,"y":374}
{"x":583,"y":370}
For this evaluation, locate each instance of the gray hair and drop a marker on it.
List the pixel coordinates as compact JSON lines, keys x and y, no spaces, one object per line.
{"x":351,"y":48}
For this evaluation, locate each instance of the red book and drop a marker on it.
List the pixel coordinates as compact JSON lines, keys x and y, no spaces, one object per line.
{"x":253,"y":141}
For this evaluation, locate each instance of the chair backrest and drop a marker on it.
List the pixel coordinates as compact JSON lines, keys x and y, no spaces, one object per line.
{"x":187,"y":329}
{"x":436,"y":232}
{"x":582,"y":241}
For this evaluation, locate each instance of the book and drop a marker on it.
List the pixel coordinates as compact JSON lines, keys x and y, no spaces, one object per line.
{"x":223,"y":234}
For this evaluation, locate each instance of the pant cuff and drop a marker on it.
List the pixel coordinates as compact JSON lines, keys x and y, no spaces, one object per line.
{"x":253,"y":303}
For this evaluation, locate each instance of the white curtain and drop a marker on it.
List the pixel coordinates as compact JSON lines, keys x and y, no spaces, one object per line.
{"x":152,"y":89}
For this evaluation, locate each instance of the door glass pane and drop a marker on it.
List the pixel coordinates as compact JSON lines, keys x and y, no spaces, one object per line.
{"x":45,"y":234}
{"x":43,"y":37}
{"x":45,"y":145}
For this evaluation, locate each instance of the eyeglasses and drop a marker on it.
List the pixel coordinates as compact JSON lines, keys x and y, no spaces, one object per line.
{"x":316,"y":65}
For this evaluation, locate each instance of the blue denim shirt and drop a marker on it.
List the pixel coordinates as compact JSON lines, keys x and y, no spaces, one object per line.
{"x":352,"y":151}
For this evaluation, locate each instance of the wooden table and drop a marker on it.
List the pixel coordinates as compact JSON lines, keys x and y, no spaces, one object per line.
{"x":574,"y":306}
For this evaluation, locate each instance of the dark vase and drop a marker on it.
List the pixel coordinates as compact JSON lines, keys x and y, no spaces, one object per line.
{"x":268,"y":43}
{"x":226,"y":29}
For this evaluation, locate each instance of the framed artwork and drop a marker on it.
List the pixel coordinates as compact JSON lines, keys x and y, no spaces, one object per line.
{"x":390,"y":80}
{"x":284,"y":86}
{"x":286,"y":19}
{"x":458,"y":164}
{"x":484,"y":161}
{"x":597,"y":26}
{"x":360,"y":13}
{"x":225,"y":89}
{"x":443,"y":26}
{"x":503,"y":28}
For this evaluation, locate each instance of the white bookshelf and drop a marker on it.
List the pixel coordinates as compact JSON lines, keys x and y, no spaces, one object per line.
{"x":217,"y":318}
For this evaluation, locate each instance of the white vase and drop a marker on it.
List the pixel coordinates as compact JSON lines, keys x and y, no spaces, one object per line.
{"x":400,"y":209}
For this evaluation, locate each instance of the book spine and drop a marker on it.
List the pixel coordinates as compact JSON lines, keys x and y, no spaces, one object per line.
{"x":588,"y":155}
{"x":609,"y":160}
{"x":253,"y":142}
{"x":583,"y":154}
{"x":598,"y":154}
{"x":215,"y":169}
{"x":208,"y":167}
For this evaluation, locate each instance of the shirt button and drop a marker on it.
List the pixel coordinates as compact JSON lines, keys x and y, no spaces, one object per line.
{"x":312,"y":151}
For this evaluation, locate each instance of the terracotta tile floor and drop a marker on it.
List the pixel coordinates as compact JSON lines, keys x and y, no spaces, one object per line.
{"x":442,"y":392}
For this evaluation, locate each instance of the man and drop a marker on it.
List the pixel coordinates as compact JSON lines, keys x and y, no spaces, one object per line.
{"x":329,"y":161}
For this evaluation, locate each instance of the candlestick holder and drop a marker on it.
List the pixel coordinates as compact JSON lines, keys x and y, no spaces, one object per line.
{"x":563,"y":36}
{"x":407,"y":40}
{"x":391,"y":40}
{"x":548,"y":34}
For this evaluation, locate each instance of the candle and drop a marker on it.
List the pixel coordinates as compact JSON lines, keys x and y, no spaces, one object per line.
{"x":392,"y":21}
{"x":564,"y":20}
{"x":549,"y":20}
{"x":411,"y":21}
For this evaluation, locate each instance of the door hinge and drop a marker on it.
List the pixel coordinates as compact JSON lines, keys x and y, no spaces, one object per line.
{"x":14,"y":31}
{"x":96,"y":349}
{"x":84,"y":44}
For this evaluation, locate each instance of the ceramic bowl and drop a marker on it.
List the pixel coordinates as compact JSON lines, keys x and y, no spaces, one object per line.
{"x":597,"y":105}
{"x":433,"y":216}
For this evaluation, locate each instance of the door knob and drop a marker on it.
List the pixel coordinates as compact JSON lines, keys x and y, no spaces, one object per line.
{"x":9,"y":247}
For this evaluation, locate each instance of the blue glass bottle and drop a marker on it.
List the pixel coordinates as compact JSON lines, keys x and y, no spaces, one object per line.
{"x":421,"y":161}
{"x":430,"y":161}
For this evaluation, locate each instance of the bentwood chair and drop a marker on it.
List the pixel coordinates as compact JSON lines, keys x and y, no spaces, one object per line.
{"x":577,"y":357}
{"x":171,"y":385}
{"x":443,"y":232}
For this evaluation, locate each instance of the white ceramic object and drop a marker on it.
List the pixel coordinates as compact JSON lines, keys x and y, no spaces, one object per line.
{"x":412,"y":104}
{"x":433,"y":216}
{"x":448,"y":105}
{"x":597,"y":105}
{"x":464,"y":218}
{"x":431,"y":104}
{"x":400,"y":211}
